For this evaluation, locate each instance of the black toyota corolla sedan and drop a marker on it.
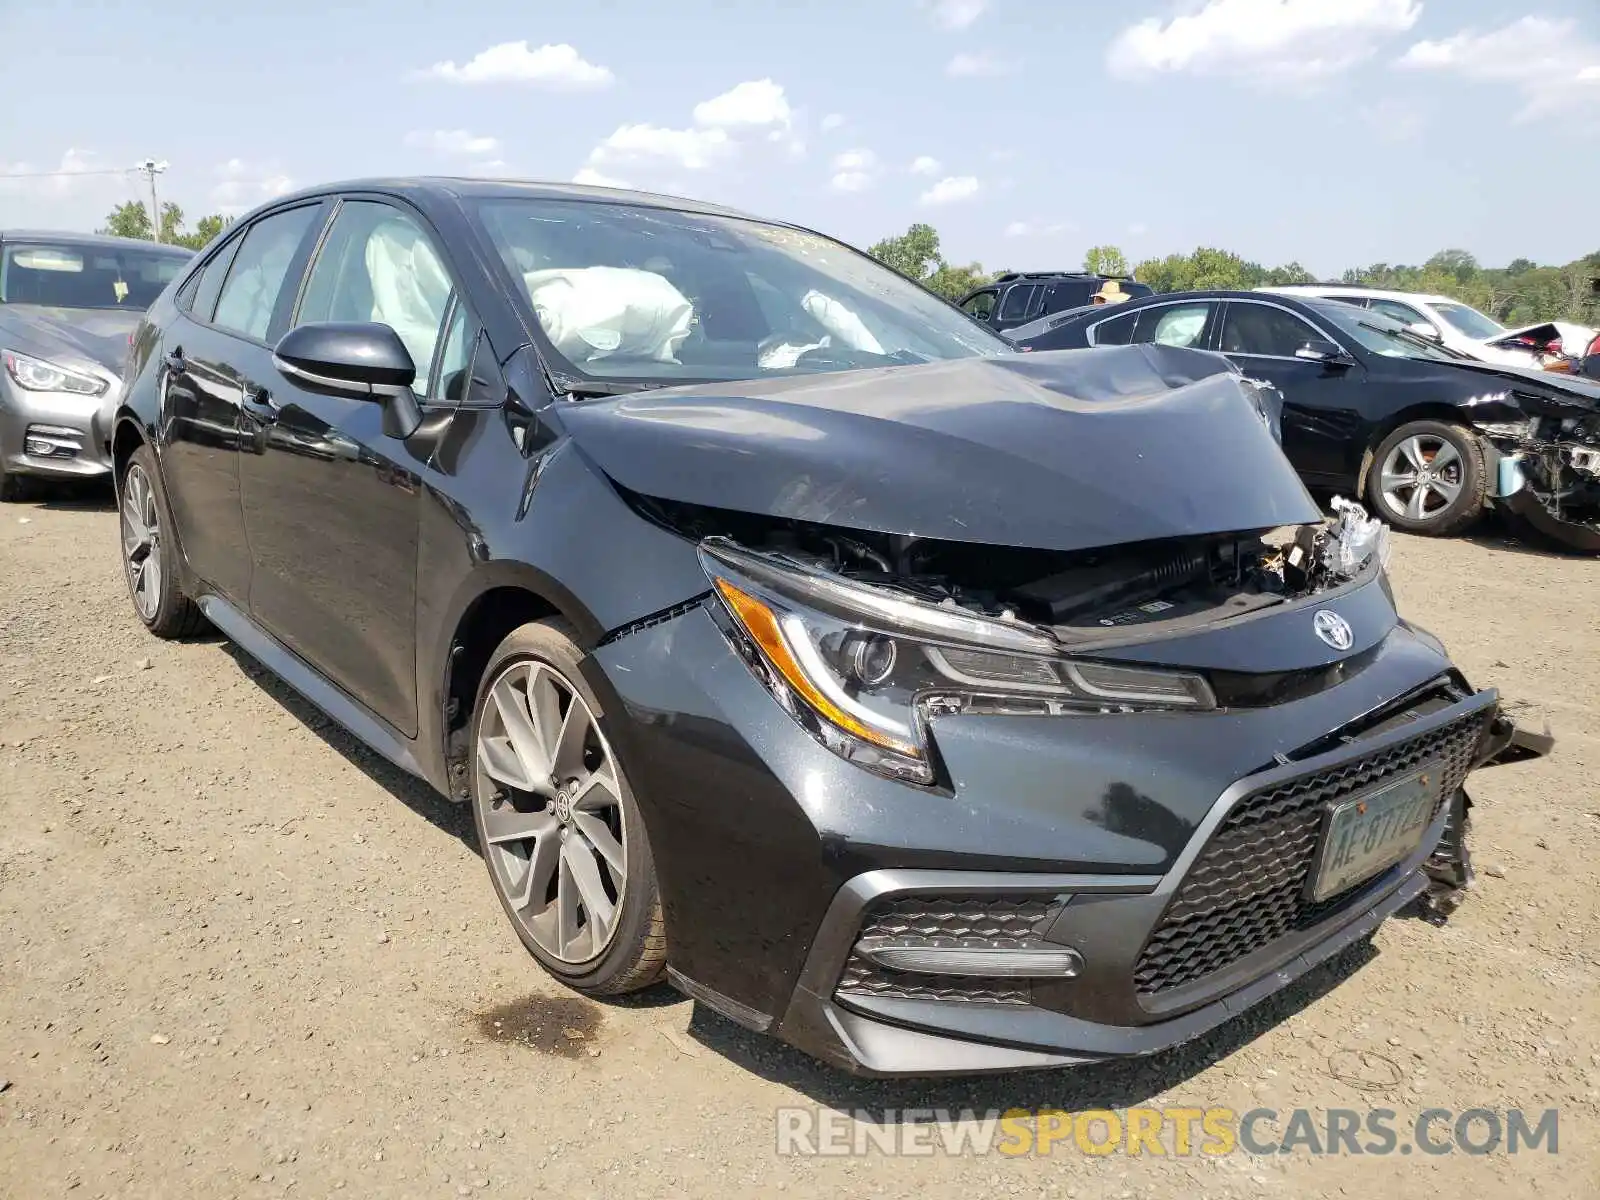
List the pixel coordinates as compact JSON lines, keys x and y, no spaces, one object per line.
{"x":931,"y":706}
{"x":1431,"y":438}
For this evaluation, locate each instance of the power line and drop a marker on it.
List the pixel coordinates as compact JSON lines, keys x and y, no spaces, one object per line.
{"x":63,"y":174}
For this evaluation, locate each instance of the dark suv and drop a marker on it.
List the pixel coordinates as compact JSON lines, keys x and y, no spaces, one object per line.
{"x":1018,"y":297}
{"x":930,"y":705}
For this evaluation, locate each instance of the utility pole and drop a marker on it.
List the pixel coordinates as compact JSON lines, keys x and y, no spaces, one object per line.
{"x":152,"y":168}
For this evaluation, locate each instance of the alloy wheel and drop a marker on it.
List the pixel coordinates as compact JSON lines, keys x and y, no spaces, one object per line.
{"x":1421,"y":477}
{"x":141,"y":541}
{"x":550,"y":804}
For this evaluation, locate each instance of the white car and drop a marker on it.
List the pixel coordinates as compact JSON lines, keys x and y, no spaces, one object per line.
{"x":1459,"y":326}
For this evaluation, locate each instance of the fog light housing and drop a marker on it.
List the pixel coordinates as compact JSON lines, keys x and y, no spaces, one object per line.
{"x":39,"y":447}
{"x":989,"y":962}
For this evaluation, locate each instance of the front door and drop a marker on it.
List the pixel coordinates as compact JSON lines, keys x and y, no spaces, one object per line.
{"x":1321,"y":411}
{"x":331,"y":502}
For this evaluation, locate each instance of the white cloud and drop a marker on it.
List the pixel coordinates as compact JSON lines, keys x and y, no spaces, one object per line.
{"x":1018,"y":229}
{"x":243,"y":185}
{"x":1273,"y":41}
{"x":831,"y":122}
{"x":957,"y":14}
{"x":452,"y":141}
{"x":1548,"y":61}
{"x":557,"y":66}
{"x":593,"y":178}
{"x":978,"y":65}
{"x":756,"y":103}
{"x":924,"y":165}
{"x":854,"y":171}
{"x":723,"y":126}
{"x":691,"y":149}
{"x":951,"y":189}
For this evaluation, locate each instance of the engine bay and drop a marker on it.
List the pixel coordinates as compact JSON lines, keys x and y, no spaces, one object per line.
{"x":1115,"y":593}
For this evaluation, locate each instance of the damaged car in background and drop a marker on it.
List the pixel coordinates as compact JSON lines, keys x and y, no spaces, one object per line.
{"x":1431,"y":439}
{"x":931,"y":706}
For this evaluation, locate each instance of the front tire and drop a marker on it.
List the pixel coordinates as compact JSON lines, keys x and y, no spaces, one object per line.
{"x":1428,"y":477}
{"x":557,"y":823}
{"x":149,"y":557}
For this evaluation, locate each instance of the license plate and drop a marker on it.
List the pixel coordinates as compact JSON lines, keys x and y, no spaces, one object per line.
{"x":1365,"y":835}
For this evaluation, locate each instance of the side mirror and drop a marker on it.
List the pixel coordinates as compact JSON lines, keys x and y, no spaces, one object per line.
{"x":1424,"y":329}
{"x":362,"y":360}
{"x":1327,"y":353}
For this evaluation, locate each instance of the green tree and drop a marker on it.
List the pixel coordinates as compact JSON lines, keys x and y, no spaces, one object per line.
{"x":1105,"y":260}
{"x":133,"y":220}
{"x":915,"y":254}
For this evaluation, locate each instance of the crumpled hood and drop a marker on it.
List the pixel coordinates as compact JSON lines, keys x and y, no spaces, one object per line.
{"x":1065,"y":450}
{"x":1574,"y":389}
{"x":69,"y":336}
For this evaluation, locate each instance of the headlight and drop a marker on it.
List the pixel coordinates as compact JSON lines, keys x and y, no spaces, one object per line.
{"x":862,"y":670}
{"x":37,"y":375}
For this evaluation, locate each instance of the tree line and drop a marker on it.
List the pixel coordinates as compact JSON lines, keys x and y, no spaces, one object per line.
{"x":1519,"y":293}
{"x":133,"y":220}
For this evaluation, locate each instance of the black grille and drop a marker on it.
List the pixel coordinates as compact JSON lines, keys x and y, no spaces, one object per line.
{"x":946,"y":921}
{"x":1247,"y":888}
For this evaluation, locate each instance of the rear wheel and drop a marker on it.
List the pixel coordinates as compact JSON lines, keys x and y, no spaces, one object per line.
{"x":1428,"y":477}
{"x":557,"y":823}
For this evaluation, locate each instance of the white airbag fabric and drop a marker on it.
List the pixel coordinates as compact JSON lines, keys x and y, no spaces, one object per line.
{"x":596,"y":312}
{"x":841,"y":322}
{"x":409,"y":288}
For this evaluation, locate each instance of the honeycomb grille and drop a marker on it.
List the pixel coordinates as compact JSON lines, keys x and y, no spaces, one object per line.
{"x":1247,"y":888}
{"x":948,"y":920}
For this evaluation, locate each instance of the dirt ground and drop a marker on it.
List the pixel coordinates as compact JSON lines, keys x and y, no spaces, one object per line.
{"x":239,"y":956}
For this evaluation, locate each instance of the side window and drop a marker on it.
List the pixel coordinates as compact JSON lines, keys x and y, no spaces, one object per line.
{"x":1018,"y":302}
{"x":205,"y":287}
{"x":262,"y":262}
{"x":1115,"y":331}
{"x":378,"y":265}
{"x":980,"y":306}
{"x":1403,"y":313}
{"x":455,"y":358}
{"x":1173,"y":324}
{"x":1073,"y":294}
{"x":1264,"y":330}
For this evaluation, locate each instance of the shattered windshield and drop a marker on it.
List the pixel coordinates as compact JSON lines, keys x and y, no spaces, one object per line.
{"x":71,"y":275}
{"x":626,"y":292}
{"x":1381,"y":335}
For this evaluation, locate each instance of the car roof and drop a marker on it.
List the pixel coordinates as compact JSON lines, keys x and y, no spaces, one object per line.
{"x":1346,"y":289}
{"x":67,"y":237}
{"x":1013,"y":276}
{"x":464,"y":188}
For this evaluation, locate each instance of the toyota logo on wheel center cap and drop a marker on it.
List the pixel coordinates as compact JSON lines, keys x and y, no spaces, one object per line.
{"x":1333,"y":629}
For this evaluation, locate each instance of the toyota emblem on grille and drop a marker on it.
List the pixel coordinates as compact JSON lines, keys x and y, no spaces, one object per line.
{"x":1333,"y":629}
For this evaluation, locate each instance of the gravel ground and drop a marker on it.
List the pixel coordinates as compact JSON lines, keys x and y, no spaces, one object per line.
{"x":239,"y":956}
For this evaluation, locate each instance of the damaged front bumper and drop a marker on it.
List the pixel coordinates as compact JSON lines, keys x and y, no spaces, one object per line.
{"x":1546,"y":471}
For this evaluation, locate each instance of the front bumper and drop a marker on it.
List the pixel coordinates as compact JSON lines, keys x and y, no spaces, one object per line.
{"x":773,"y":854}
{"x":72,"y":428}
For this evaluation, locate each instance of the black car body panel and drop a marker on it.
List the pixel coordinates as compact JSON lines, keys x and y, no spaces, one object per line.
{"x":376,"y":573}
{"x":1545,"y":424}
{"x":1022,"y":451}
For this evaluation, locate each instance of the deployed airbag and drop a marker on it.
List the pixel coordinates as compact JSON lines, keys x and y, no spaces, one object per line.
{"x":591,"y":313}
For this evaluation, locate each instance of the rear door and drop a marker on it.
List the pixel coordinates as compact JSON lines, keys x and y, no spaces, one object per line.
{"x":331,"y":502}
{"x":207,"y":380}
{"x":1321,"y":402}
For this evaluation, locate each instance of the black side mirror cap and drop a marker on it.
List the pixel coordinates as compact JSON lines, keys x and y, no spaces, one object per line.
{"x":364,"y":360}
{"x":1328,"y":353}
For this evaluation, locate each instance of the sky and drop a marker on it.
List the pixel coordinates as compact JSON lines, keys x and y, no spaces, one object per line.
{"x":1335,"y":133}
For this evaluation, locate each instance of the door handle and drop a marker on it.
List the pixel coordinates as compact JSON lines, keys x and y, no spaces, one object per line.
{"x":259,"y":406}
